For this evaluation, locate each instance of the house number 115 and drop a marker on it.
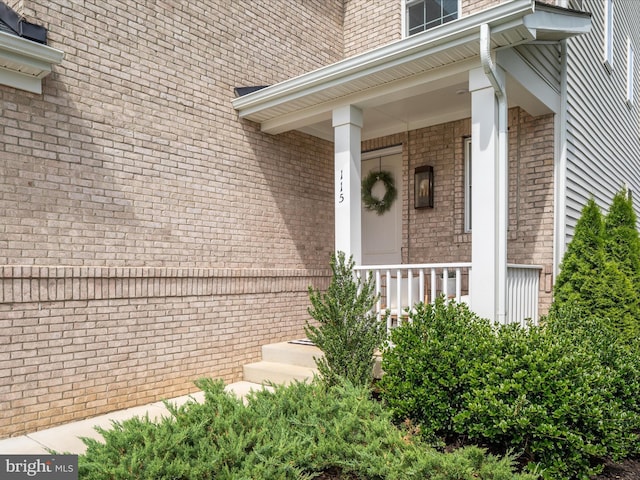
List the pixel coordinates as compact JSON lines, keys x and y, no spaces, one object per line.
{"x":341,"y":194}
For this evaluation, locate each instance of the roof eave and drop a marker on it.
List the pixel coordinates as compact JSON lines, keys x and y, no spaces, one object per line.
{"x":511,"y":24}
{"x":551,"y":23}
{"x":402,"y":50}
{"x":23,"y":63}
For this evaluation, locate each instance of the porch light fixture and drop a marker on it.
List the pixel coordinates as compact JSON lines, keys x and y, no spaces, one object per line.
{"x":423,"y":187}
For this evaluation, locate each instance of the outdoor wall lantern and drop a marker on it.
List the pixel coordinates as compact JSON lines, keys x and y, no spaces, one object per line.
{"x":423,"y":184}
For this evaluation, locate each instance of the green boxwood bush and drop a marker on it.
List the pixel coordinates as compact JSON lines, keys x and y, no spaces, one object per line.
{"x":296,"y":432}
{"x":563,"y":399}
{"x":428,"y":364}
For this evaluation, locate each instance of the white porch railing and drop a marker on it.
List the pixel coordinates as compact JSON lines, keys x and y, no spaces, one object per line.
{"x":402,"y":286}
{"x":523,"y":283}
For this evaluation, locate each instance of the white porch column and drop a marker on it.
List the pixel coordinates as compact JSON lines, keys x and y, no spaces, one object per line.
{"x":347,"y":126}
{"x":488,"y":281}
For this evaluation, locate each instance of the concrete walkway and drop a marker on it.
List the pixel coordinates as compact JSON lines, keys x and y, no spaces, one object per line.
{"x":66,"y":438}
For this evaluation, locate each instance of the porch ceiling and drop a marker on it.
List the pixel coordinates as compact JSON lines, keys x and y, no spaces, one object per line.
{"x":412,"y":83}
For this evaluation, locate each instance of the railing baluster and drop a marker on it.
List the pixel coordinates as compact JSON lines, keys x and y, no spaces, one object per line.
{"x":399,"y":295}
{"x":445,"y":283}
{"x":522,"y":293}
{"x":410,"y":292}
{"x":434,"y":285}
{"x":378,"y":295}
{"x":388,"y":299}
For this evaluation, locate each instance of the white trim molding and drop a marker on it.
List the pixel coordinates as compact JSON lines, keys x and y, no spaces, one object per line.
{"x":24,"y":63}
{"x":608,"y":35}
{"x":630,"y":72}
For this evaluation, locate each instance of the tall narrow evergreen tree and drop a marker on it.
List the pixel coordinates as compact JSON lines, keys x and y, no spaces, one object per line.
{"x":583,"y":261}
{"x":622,"y":242}
{"x":620,"y":292}
{"x":348,"y":331}
{"x":600,"y":272}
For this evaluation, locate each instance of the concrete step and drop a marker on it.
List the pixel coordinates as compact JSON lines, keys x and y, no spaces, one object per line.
{"x":291,"y":354}
{"x":243,"y":388}
{"x":277,"y":373}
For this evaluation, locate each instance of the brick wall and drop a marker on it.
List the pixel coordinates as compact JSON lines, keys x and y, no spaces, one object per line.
{"x":369,"y":25}
{"x":149,"y":236}
{"x":79,"y":341}
{"x":469,"y":7}
{"x":16,"y":5}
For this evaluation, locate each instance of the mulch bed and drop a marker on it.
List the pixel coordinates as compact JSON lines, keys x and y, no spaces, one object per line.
{"x":627,"y":470}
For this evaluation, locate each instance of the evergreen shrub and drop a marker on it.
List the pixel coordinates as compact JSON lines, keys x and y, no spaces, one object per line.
{"x":600,"y":271}
{"x":295,"y":432}
{"x":565,"y":400}
{"x":428,"y":364}
{"x":347,"y":329}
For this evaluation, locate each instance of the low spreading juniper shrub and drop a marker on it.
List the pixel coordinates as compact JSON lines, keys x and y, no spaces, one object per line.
{"x":565,"y":397}
{"x":295,"y":432}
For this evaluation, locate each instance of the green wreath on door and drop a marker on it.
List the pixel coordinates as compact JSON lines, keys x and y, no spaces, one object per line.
{"x":378,"y":205}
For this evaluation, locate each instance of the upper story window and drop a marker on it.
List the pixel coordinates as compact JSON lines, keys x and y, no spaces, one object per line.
{"x":422,"y":15}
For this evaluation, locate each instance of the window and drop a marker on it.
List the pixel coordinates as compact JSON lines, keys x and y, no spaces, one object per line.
{"x":608,"y":34}
{"x":629,"y":72}
{"x":467,"y":184}
{"x":422,"y":15}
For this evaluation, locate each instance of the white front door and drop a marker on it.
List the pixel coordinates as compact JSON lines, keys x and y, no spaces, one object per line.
{"x":382,"y":234}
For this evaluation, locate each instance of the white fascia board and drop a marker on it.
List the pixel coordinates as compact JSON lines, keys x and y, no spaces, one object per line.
{"x":402,"y":51}
{"x":25,"y":60}
{"x":17,"y":80}
{"x":556,"y":24}
{"x":28,"y":49}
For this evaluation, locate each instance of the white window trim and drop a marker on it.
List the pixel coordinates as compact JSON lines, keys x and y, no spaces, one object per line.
{"x":630,"y":75}
{"x":403,"y":16}
{"x":608,"y":35}
{"x":468,"y":185}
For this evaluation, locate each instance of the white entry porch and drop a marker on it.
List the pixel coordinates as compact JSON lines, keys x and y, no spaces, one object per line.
{"x":505,"y":56}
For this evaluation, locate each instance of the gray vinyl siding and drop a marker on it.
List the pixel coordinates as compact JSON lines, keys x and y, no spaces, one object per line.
{"x":544,"y":60}
{"x":603,"y":132}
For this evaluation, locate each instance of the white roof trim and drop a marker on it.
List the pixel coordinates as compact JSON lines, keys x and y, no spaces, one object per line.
{"x":23,"y":63}
{"x":312,"y":95}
